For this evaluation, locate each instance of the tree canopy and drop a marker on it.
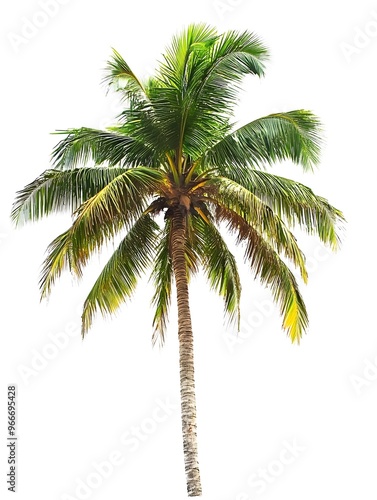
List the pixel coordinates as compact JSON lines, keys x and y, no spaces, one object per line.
{"x":177,"y":144}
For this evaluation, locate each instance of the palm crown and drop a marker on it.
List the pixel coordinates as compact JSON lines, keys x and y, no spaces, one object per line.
{"x":177,"y":150}
{"x":176,"y":145}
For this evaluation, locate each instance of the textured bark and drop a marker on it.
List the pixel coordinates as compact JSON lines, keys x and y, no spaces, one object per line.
{"x":186,"y":354}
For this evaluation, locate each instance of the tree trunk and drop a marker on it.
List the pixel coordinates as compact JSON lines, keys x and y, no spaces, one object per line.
{"x":186,"y":354}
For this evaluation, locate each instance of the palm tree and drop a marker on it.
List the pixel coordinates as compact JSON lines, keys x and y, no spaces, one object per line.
{"x":176,"y":150}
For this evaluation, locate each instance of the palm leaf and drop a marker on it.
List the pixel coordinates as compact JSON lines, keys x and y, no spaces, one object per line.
{"x":60,"y":190}
{"x":60,"y":256}
{"x":98,"y":220}
{"x":178,"y":63}
{"x":295,"y":202}
{"x":219,"y":266}
{"x":162,"y":277}
{"x":107,"y":148}
{"x":233,"y":56}
{"x":198,"y":84}
{"x":119,"y":277}
{"x":257,"y":214}
{"x":294,"y":135}
{"x":119,"y":75}
{"x":272,"y":271}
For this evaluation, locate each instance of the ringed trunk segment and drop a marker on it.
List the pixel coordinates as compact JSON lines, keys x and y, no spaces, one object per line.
{"x":186,"y":353}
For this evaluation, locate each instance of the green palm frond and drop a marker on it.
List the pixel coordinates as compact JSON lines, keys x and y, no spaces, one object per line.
{"x":121,"y":200}
{"x":200,"y":59}
{"x":295,"y":202}
{"x":119,"y":75}
{"x":162,"y":278}
{"x":255,"y":212}
{"x":294,"y":135}
{"x":198,"y":85}
{"x":60,"y":190}
{"x":176,"y":70}
{"x":152,"y":130}
{"x":107,"y":148}
{"x":219,"y":266}
{"x":99,"y":219}
{"x":272,"y":272}
{"x":233,"y":56}
{"x":60,"y":256}
{"x":119,"y":277}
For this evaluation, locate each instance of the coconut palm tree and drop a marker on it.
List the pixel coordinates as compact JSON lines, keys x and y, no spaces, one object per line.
{"x":176,"y":151}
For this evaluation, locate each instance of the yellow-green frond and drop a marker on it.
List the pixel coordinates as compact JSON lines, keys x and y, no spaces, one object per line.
{"x":254,"y":211}
{"x":118,"y":278}
{"x":60,"y":190}
{"x":219,"y":266}
{"x":272,"y":271}
{"x":162,"y":278}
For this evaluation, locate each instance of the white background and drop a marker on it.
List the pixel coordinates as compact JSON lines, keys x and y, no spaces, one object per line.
{"x":77,"y":401}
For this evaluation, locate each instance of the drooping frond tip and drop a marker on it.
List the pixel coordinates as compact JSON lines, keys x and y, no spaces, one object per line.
{"x":219,"y":266}
{"x":119,"y":75}
{"x":162,"y":278}
{"x":120,"y":275}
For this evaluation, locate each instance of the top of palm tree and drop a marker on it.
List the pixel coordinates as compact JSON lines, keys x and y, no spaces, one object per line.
{"x":176,"y":145}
